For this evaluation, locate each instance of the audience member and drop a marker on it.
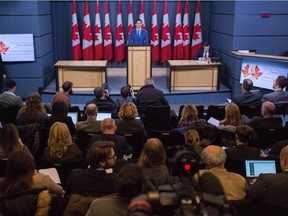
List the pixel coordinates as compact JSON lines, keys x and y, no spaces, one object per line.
{"x":241,"y":151}
{"x":271,"y":187}
{"x":189,"y":117}
{"x":108,"y":129}
{"x":67,"y":87}
{"x":95,"y":181}
{"x":279,"y":95}
{"x":214,"y":158}
{"x":125,"y":92}
{"x":248,"y":98}
{"x":205,"y":53}
{"x":103,"y":101}
{"x":60,"y":146}
{"x":91,"y":124}
{"x":268,"y":119}
{"x":130,"y":184}
{"x":127,"y":122}
{"x":59,"y":114}
{"x":8,"y":97}
{"x":192,"y":142}
{"x":32,"y":112}
{"x":153,"y":162}
{"x":232,"y":118}
{"x":17,"y":195}
{"x":149,"y":95}
{"x":11,"y":142}
{"x":2,"y":74}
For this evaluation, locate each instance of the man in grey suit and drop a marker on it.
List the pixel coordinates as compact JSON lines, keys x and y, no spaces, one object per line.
{"x":8,"y":97}
{"x":91,"y":124}
{"x":279,"y":95}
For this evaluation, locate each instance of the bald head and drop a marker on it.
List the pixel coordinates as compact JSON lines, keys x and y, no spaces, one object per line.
{"x":284,"y":158}
{"x":108,"y":126}
{"x":268,"y":109}
{"x":91,"y":110}
{"x":213,"y":156}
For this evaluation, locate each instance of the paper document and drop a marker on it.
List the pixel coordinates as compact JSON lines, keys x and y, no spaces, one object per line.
{"x":52,"y":172}
{"x":213,"y":121}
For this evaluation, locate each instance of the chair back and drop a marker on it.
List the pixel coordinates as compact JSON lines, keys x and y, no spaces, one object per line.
{"x":3,"y":166}
{"x":250,"y":111}
{"x":43,"y":143}
{"x":83,"y":141}
{"x":216,"y":111}
{"x":168,"y":138}
{"x":281,"y":108}
{"x":8,"y":114}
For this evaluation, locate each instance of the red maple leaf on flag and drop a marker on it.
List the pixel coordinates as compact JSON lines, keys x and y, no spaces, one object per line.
{"x":119,"y":30}
{"x":3,"y":48}
{"x":87,"y":36}
{"x":179,"y":31}
{"x":197,"y":29}
{"x":75,"y":35}
{"x":186,"y":30}
{"x":107,"y":36}
{"x":165,"y":33}
{"x":97,"y":31}
{"x":246,"y":70}
{"x":154,"y":37}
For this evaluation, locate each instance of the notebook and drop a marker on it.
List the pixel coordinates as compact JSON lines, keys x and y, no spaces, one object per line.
{"x":255,"y":167}
{"x":102,"y":116}
{"x":74,"y":116}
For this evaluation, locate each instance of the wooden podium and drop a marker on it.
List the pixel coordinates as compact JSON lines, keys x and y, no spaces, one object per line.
{"x":139,"y":64}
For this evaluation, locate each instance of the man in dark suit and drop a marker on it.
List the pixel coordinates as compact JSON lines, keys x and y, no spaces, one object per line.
{"x":205,"y":53}
{"x":138,"y":36}
{"x":95,"y":181}
{"x":268,"y":121}
{"x":248,"y":98}
{"x":271,"y":186}
{"x":2,"y":74}
{"x":109,"y":128}
{"x":279,"y":95}
{"x":241,"y":151}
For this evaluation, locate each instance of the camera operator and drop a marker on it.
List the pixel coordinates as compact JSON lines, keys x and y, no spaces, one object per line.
{"x":125,"y":93}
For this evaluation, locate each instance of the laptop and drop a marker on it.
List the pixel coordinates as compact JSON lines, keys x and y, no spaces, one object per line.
{"x":102,"y":116}
{"x":74,"y":116}
{"x":255,"y":167}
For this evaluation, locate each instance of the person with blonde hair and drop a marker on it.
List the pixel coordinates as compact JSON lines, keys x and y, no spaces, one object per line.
{"x":192,"y":141}
{"x":232,"y":118}
{"x":33,"y":111}
{"x":189,"y":117}
{"x":127,"y":122}
{"x":153,"y":162}
{"x":60,"y":145}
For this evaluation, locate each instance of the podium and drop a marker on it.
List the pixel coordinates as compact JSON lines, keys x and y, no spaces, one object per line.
{"x":139,"y":64}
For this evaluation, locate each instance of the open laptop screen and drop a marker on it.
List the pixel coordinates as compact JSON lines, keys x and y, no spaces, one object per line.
{"x":102,"y":116}
{"x":255,"y":167}
{"x":74,"y":116}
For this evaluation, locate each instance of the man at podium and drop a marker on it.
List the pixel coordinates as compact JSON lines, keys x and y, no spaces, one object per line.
{"x":138,"y":36}
{"x":205,"y":53}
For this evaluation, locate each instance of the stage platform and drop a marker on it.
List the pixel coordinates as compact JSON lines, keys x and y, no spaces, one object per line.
{"x":116,"y":78}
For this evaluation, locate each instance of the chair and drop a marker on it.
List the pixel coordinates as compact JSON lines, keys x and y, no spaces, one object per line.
{"x":43,"y":143}
{"x":168,"y":138}
{"x":200,"y":109}
{"x":281,"y":108}
{"x":267,"y":137}
{"x":236,"y":166}
{"x":228,"y":138}
{"x":3,"y":165}
{"x":216,"y":111}
{"x":83,"y":140}
{"x":8,"y":114}
{"x":157,"y":118}
{"x":137,"y":141}
{"x":250,"y":111}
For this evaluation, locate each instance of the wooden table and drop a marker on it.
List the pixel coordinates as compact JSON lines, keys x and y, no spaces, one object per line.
{"x":85,"y":75}
{"x":193,"y":75}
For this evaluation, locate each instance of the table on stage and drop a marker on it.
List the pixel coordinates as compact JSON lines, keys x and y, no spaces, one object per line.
{"x":193,"y":75}
{"x":85,"y":75}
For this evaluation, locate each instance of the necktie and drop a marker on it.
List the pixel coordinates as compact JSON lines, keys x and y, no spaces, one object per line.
{"x":205,"y":54}
{"x":138,"y":33}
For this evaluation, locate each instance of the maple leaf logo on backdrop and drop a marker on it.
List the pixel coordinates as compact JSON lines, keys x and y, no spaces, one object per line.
{"x":257,"y":72}
{"x":179,"y":32}
{"x":97,"y":31}
{"x":186,"y":33}
{"x":196,"y":31}
{"x":75,"y":35}
{"x":165,"y":33}
{"x":245,"y":71}
{"x":3,"y":48}
{"x":119,"y":36}
{"x":107,"y":35}
{"x":87,"y":35}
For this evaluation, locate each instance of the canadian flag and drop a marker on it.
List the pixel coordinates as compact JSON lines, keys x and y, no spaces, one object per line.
{"x":108,"y":46}
{"x":76,"y":47}
{"x":98,"y":40}
{"x":186,"y":37}
{"x":130,"y":19}
{"x":87,"y":49}
{"x":166,"y":39}
{"x":155,"y":35}
{"x":197,"y":34}
{"x":120,"y":51}
{"x":141,"y":14}
{"x":178,"y":40}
